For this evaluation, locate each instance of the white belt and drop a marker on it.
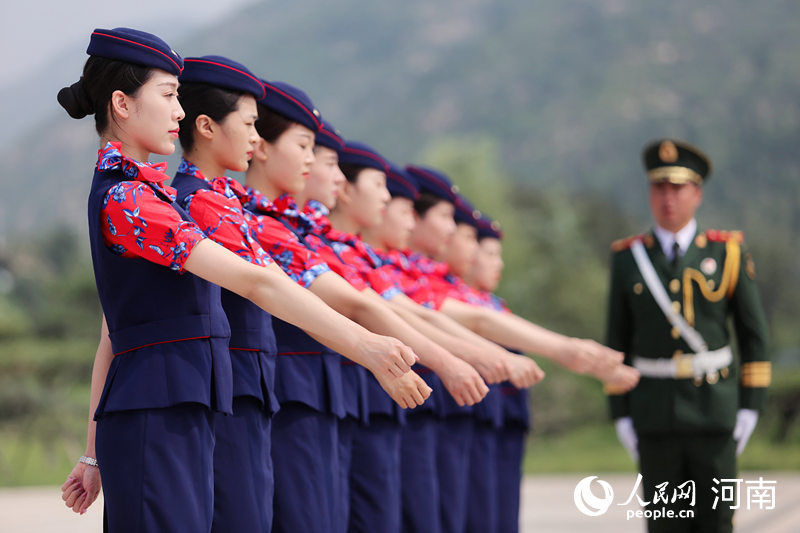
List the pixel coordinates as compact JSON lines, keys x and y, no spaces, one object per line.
{"x":685,"y":366}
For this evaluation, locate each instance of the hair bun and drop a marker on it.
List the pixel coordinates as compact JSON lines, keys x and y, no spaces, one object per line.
{"x":76,"y":100}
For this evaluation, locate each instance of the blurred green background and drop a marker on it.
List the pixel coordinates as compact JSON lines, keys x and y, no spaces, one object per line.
{"x":537,"y":110}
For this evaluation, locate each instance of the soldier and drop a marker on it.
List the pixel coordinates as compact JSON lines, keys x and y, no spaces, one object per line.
{"x":672,"y":292}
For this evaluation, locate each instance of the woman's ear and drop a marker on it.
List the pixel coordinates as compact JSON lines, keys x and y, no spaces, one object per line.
{"x":346,"y":193}
{"x":204,"y":126}
{"x":261,"y":151}
{"x":120,"y":104}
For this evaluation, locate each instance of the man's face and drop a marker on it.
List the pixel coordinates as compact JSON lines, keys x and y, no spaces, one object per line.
{"x":673,"y":205}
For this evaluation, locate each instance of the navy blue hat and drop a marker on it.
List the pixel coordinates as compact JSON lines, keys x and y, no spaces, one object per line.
{"x":361,"y":155}
{"x":489,"y":228}
{"x":221,"y":72}
{"x":465,"y":212}
{"x":434,"y":182}
{"x":292,"y":103}
{"x":134,"y":46}
{"x":401,"y":183}
{"x":329,"y":137}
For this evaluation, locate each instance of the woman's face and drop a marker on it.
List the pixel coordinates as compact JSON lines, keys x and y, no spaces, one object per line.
{"x":461,"y":250}
{"x":289,"y":159}
{"x":368,"y":197}
{"x":394,"y":232}
{"x":487,"y":266}
{"x":434,"y":229}
{"x":148,"y":120}
{"x":325,"y":177}
{"x":233,"y":146}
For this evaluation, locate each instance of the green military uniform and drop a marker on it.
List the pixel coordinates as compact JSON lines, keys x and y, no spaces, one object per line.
{"x":684,"y":422}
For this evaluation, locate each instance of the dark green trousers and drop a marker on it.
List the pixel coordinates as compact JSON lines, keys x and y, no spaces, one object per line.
{"x":677,"y":459}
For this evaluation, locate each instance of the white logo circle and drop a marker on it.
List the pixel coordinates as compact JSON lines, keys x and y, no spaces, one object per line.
{"x":587,"y":502}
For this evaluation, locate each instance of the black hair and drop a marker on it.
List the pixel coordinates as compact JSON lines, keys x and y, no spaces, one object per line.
{"x":92,"y":93}
{"x":203,"y":99}
{"x":270,"y":125}
{"x":351,"y":171}
{"x":425,"y":201}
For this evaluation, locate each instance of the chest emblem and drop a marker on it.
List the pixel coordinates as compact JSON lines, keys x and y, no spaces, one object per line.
{"x":708,"y":266}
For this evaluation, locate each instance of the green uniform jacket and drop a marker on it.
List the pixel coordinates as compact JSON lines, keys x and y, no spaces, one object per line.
{"x":712,"y":282}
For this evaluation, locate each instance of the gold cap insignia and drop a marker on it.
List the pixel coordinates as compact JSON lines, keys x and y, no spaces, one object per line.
{"x":476,"y":214}
{"x":495,"y":225}
{"x":454,"y":189}
{"x":316,"y":113}
{"x":668,"y":152}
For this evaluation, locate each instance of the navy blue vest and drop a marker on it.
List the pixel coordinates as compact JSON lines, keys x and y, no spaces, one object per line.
{"x":252,"y":343}
{"x":168,"y":331}
{"x":514,"y":404}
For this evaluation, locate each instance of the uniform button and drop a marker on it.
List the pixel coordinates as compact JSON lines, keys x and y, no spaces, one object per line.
{"x":674,"y":285}
{"x":711,"y":284}
{"x":676,"y":306}
{"x":698,"y":382}
{"x":637,"y":288}
{"x":724,"y":373}
{"x":712,"y":378}
{"x":676,"y":333}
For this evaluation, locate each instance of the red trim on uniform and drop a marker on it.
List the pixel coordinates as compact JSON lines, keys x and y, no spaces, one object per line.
{"x":161,"y":342}
{"x":332,"y":135}
{"x":180,"y":68}
{"x":401,"y":179}
{"x":263,"y":89}
{"x":296,"y":101}
{"x":244,"y":349}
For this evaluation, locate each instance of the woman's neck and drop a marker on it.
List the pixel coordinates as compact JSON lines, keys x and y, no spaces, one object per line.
{"x":204,"y":161}
{"x":370,"y":237}
{"x":256,"y":179}
{"x":137,"y":153}
{"x":343,"y":222}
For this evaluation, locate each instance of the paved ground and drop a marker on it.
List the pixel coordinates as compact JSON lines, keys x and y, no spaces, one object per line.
{"x":548,"y":507}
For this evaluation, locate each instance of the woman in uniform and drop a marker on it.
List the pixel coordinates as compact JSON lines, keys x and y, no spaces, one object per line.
{"x":162,"y":367}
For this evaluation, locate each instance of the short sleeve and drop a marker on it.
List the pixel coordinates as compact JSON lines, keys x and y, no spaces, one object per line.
{"x":224,"y":221}
{"x":137,"y":223}
{"x":298,"y":262}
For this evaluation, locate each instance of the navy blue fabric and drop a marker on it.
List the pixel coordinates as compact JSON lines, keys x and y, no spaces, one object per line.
{"x":465,"y":212}
{"x":157,"y":468}
{"x":433,"y":182}
{"x":401,"y":183}
{"x":328,"y":136}
{"x":243,"y":478}
{"x":221,"y":72}
{"x":453,"y":445}
{"x":362,"y":155}
{"x":490,"y":410}
{"x":488,"y":228}
{"x":307,"y":371}
{"x":292,"y":103}
{"x":355,"y":390}
{"x":375,"y":477}
{"x":305,"y":459}
{"x":347,"y":432}
{"x":253,"y":349}
{"x":482,"y":482}
{"x":419,"y":479}
{"x":510,"y":449}
{"x":168,"y":331}
{"x":134,"y":46}
{"x":515,"y":405}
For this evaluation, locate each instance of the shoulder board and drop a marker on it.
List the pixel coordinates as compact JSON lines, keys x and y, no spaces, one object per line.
{"x":715,"y":235}
{"x":624,"y":244}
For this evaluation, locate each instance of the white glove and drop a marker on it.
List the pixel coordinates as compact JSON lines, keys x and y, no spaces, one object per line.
{"x":746,"y":420}
{"x":627,"y":436}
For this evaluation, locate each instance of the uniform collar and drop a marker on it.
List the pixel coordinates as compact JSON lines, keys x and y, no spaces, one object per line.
{"x":683,"y":237}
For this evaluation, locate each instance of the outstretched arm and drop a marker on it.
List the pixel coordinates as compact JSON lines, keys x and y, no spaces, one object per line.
{"x":269,"y":288}
{"x":371,"y":311}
